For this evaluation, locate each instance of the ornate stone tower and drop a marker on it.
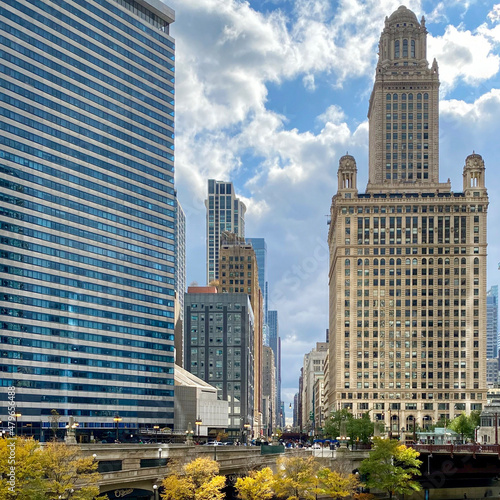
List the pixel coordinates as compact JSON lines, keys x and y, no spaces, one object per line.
{"x":403,"y":111}
{"x":407,"y":270}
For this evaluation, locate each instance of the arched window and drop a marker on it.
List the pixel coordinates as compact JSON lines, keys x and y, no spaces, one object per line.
{"x":391,"y":262}
{"x":413,"y":49}
{"x":410,"y":97}
{"x":431,"y":262}
{"x":367,"y":262}
{"x":463,"y":261}
{"x":414,"y":262}
{"x":455,"y":261}
{"x":382,"y":262}
{"x":398,"y":262}
{"x":408,"y":262}
{"x":347,"y":263}
{"x":476,"y":260}
{"x":375,"y":262}
{"x":426,"y":96}
{"x":388,"y":97}
{"x":394,"y":97}
{"x":360,"y":262}
{"x":447,"y":261}
{"x":396,"y":49}
{"x":403,"y":97}
{"x":419,"y":97}
{"x":405,"y":48}
{"x":440,"y":261}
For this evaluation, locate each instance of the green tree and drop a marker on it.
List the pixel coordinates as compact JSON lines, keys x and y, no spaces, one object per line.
{"x":337,"y":485}
{"x":198,"y":480}
{"x":463,"y":425}
{"x":333,"y":424}
{"x":360,"y":429}
{"x":391,"y":467}
{"x":258,"y":485}
{"x":296,"y":478}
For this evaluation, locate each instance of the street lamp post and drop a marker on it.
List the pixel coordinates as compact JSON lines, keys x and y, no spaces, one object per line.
{"x":155,"y":489}
{"x":17,"y":415}
{"x":198,"y":423}
{"x":156,"y":427}
{"x":247,"y":427}
{"x":117,"y":419}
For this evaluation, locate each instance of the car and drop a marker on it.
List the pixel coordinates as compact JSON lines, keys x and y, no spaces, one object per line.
{"x":213,"y":443}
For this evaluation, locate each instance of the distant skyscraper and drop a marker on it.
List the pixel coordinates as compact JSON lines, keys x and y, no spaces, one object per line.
{"x":275,"y":345}
{"x":225,"y":212}
{"x":88,"y":212}
{"x":492,"y":322}
{"x":180,"y":255}
{"x":407,"y":273}
{"x":260,"y":247}
{"x":239,"y":273}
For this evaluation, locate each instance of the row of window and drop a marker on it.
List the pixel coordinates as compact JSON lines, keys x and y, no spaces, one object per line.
{"x":111,"y":389}
{"x":95,"y":325}
{"x":157,"y":345}
{"x":89,"y":273}
{"x":84,"y":49}
{"x":81,"y":285}
{"x":82,"y":234}
{"x":413,"y":209}
{"x":82,"y":349}
{"x":130,"y":118}
{"x":83,"y":124}
{"x":405,"y":48}
{"x":92,"y":299}
{"x":84,"y":221}
{"x":87,"y":195}
{"x":88,"y":311}
{"x":100,"y":363}
{"x":75,"y":374}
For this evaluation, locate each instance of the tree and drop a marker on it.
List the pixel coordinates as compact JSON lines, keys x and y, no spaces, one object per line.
{"x":333,"y":424}
{"x":68,"y":474}
{"x":198,"y":480}
{"x":360,"y":428}
{"x":48,"y":472}
{"x":337,"y":485}
{"x":258,"y":485}
{"x":296,"y":478}
{"x":24,"y":455}
{"x":391,"y":467}
{"x":463,"y":425}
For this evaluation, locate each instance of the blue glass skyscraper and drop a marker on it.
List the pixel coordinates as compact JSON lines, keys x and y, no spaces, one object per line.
{"x":87,"y":212}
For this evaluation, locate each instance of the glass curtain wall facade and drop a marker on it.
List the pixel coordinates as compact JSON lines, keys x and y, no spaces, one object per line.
{"x":88,"y":213}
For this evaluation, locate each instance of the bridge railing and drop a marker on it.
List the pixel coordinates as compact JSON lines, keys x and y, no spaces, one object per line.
{"x":457,"y":448}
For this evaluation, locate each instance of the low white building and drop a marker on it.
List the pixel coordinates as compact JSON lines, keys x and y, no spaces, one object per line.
{"x":195,"y":399}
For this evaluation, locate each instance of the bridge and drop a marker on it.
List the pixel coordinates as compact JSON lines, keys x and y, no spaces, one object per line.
{"x":131,"y":471}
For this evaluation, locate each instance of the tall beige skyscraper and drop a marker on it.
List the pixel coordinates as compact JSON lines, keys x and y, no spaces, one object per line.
{"x":407,"y":257}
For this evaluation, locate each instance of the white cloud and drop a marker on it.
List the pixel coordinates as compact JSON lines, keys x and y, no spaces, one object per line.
{"x":494,"y":14}
{"x":462,"y":55}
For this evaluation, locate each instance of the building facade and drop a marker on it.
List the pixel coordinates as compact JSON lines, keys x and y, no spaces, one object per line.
{"x":219,"y":349}
{"x":88,"y":218}
{"x":268,"y":391}
{"x":492,"y":322}
{"x":225,"y":213}
{"x":275,"y":345}
{"x":407,"y":274}
{"x":239,"y":273}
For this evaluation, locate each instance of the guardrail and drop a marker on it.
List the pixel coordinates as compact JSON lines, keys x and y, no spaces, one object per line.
{"x":458,"y":448}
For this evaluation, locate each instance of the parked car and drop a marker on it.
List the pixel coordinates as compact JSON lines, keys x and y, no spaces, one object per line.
{"x":214,"y":443}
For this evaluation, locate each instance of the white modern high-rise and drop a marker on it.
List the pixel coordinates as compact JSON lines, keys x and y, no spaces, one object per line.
{"x":225,"y":212}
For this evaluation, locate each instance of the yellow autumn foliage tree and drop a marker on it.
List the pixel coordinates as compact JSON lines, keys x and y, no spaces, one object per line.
{"x":258,"y":485}
{"x":198,"y":480}
{"x":337,"y":485}
{"x":52,"y":471}
{"x":296,"y":478}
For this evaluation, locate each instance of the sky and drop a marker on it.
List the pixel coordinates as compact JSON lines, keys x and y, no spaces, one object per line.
{"x":271,"y":93}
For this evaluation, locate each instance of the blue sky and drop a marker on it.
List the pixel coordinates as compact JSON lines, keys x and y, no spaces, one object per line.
{"x":271,"y":93}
